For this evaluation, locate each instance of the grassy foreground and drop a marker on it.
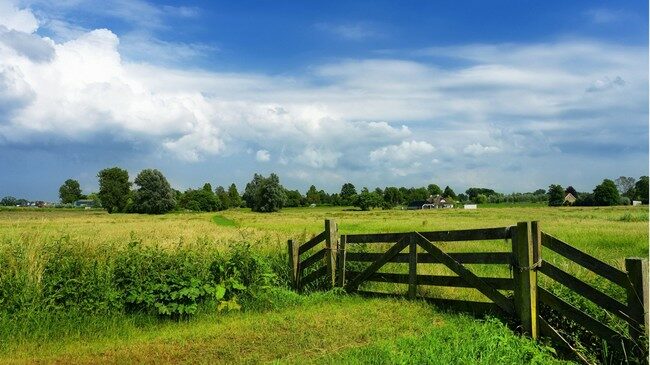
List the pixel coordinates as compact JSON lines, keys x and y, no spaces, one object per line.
{"x":318,"y":329}
{"x":59,"y":302}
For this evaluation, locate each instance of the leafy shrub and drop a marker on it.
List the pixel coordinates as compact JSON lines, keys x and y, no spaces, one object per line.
{"x":164,"y":282}
{"x":72,"y":281}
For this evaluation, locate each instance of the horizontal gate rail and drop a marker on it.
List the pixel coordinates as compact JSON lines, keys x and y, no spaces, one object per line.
{"x":585,"y":260}
{"x":313,"y":259}
{"x":425,"y":258}
{"x":312,"y":243}
{"x":497,"y":233}
{"x":580,"y":287}
{"x":588,"y":322}
{"x":437,"y":280}
{"x":313,"y":276}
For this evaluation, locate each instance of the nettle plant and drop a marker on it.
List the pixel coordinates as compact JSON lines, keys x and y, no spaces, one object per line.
{"x":165,"y":282}
{"x":174,"y":282}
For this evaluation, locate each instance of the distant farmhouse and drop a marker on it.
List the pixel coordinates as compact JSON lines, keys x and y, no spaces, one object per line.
{"x":434,"y":202}
{"x":569,"y":199}
{"x":84,"y":203}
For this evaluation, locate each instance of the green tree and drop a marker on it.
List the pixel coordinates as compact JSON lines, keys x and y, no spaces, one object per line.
{"x":606,"y":194}
{"x":555,"y":195}
{"x":392,"y":196}
{"x":114,"y":189}
{"x":265,"y":195}
{"x":294,"y":198}
{"x":313,"y":197}
{"x":233,"y":196}
{"x":367,"y":200}
{"x":449,"y":193}
{"x":641,"y":189}
{"x":207,"y":187}
{"x":9,"y":201}
{"x":200,"y":200}
{"x":348,"y":192}
{"x":625,"y":185}
{"x":434,"y":189}
{"x":481,"y":199}
{"x":223,"y":197}
{"x":154,"y":195}
{"x":70,"y":191}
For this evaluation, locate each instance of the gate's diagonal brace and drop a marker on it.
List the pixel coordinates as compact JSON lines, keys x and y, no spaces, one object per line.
{"x":392,"y":252}
{"x":460,"y":270}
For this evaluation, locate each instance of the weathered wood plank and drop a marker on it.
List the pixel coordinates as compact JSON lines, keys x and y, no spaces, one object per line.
{"x":312,"y":243}
{"x":318,"y":256}
{"x":638,"y":296}
{"x":294,"y":262}
{"x":413,"y":268}
{"x":340,"y":261}
{"x":525,"y":278}
{"x":426,"y":258}
{"x":376,"y":237}
{"x":497,"y":233}
{"x":436,"y":280}
{"x":585,"y":260}
{"x":467,"y":275}
{"x":331,"y":244}
{"x":477,"y":308}
{"x":394,"y":250}
{"x":588,"y":322}
{"x":594,"y":295}
{"x":312,"y":276}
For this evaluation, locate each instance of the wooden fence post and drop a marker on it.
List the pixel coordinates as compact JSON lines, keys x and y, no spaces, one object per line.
{"x":331,"y":243}
{"x":637,"y":295}
{"x":525,"y":276}
{"x":413,"y":266}
{"x":294,"y":262}
{"x":340,"y":262}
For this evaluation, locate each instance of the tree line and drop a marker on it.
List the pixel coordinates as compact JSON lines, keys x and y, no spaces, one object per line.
{"x":151,"y":193}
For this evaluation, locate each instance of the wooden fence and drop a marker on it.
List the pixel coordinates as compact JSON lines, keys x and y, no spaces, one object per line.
{"x":522,"y":292}
{"x":634,"y":281}
{"x":326,"y":256}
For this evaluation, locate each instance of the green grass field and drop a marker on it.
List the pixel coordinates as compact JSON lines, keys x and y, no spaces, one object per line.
{"x":286,"y":327}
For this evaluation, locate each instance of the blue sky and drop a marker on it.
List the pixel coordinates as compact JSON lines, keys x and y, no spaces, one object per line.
{"x":512,"y":95}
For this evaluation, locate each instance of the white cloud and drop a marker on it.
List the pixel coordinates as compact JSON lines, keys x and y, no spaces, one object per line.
{"x":13,"y":18}
{"x":262,"y":156}
{"x":477,"y":149}
{"x":318,"y":158}
{"x":531,"y":100}
{"x":404,"y":152}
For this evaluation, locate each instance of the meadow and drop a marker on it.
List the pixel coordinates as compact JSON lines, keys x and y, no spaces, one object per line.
{"x":76,"y":286}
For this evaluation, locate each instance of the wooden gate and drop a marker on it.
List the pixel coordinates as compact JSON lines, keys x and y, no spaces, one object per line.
{"x":523,"y":278}
{"x":517,"y":295}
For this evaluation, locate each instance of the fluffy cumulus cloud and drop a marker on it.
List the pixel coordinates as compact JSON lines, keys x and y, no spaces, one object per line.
{"x":263,"y":156}
{"x":376,"y":119}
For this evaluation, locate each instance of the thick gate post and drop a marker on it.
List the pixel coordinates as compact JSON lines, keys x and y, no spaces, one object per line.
{"x":413,"y":266}
{"x":525,"y":250}
{"x":331,"y":244}
{"x":637,"y":295}
{"x":294,"y":261}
